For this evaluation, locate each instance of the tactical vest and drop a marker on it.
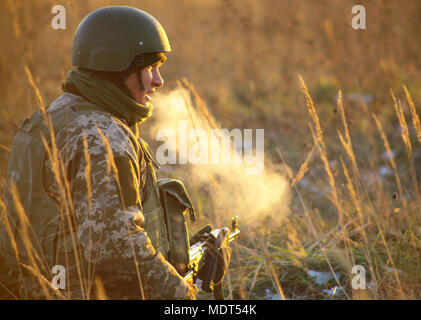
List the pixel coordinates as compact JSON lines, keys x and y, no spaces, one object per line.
{"x":155,"y":225}
{"x":26,"y":169}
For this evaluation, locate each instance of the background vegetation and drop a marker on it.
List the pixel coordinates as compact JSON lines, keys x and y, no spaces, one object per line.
{"x":355,"y":159}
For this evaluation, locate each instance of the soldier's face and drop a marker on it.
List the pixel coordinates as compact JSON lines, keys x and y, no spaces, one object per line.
{"x":151,"y":79}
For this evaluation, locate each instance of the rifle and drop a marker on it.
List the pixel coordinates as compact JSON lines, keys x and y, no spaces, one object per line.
{"x":198,"y":250}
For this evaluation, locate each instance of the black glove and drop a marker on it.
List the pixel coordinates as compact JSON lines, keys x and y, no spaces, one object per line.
{"x":198,"y":235}
{"x":215,"y":262}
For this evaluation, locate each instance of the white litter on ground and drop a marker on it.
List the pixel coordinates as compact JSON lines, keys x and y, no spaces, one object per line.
{"x":321,"y":277}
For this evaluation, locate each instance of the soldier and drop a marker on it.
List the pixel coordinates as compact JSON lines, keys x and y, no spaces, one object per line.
{"x":86,"y":180}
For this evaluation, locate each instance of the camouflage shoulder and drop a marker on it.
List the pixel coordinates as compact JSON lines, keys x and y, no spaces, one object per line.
{"x":65,"y":100}
{"x":99,"y":127}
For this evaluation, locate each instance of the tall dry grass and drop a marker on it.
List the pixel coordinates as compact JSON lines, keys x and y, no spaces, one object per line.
{"x":356,"y":187}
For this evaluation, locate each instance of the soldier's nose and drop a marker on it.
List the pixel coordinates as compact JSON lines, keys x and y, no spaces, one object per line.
{"x":157,"y":81}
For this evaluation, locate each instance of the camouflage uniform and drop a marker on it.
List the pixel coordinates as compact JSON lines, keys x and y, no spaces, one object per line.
{"x":94,"y":209}
{"x":108,"y":214}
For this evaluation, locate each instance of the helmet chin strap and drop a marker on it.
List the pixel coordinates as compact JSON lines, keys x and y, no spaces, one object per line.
{"x":139,"y":63}
{"x":139,"y":78}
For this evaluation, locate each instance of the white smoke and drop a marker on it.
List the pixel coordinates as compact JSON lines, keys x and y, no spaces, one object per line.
{"x":238,"y":183}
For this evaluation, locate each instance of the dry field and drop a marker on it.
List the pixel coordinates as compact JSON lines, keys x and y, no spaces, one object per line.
{"x":340,"y":109}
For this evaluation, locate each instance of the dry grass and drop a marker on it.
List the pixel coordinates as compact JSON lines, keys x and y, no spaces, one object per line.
{"x":356,"y":200}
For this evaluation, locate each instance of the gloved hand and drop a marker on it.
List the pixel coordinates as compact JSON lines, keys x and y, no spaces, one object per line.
{"x":191,"y":294}
{"x":198,"y":235}
{"x":215,"y":263}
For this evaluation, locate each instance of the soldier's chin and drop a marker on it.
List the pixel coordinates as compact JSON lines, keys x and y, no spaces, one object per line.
{"x":144,"y":100}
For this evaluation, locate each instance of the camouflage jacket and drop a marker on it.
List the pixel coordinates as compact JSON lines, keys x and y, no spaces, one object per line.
{"x":105,"y":166}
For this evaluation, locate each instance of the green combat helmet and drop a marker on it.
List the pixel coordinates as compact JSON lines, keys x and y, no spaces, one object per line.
{"x":109,"y":38}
